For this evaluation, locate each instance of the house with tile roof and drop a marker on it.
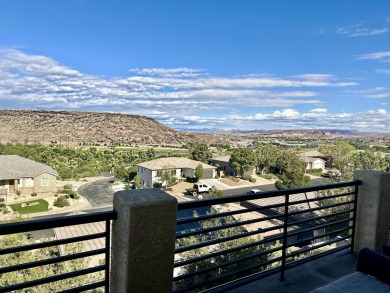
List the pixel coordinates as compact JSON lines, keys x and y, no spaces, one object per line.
{"x":24,"y":176}
{"x":179,"y":166}
{"x":313,"y":160}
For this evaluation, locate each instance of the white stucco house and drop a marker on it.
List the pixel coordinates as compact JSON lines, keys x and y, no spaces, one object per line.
{"x":313,"y":160}
{"x":180,"y":168}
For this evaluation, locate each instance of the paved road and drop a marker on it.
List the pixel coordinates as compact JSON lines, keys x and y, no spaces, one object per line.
{"x":99,"y":193}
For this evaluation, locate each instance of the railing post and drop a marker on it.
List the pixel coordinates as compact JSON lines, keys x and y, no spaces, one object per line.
{"x":373,"y":210}
{"x":284,"y":244}
{"x":355,"y":198}
{"x":107,"y":256}
{"x":143,"y":241}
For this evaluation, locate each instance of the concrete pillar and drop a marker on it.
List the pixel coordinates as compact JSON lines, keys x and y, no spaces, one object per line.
{"x":373,"y":210}
{"x":143,"y":241}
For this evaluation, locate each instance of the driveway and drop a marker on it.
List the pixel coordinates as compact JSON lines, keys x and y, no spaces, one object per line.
{"x":99,"y":193}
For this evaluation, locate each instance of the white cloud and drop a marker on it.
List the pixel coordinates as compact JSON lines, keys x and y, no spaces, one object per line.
{"x":180,"y":97}
{"x":382,"y":70}
{"x":375,"y":93}
{"x":358,"y":30}
{"x":287,"y":113}
{"x":31,"y":81}
{"x":169,"y":72}
{"x":374,"y":56}
{"x":318,"y":110}
{"x":372,"y":120}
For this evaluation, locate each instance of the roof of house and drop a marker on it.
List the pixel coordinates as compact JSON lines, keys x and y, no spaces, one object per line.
{"x":173,"y":162}
{"x":313,"y":153}
{"x":311,"y":159}
{"x":15,"y":167}
{"x":221,"y":158}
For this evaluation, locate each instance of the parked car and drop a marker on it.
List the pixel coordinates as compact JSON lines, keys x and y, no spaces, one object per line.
{"x":197,"y":189}
{"x":252,"y":191}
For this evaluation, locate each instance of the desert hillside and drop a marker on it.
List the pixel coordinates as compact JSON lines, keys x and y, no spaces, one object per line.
{"x":88,"y":128}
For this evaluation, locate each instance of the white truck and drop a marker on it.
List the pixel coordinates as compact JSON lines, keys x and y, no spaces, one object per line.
{"x":199,"y":188}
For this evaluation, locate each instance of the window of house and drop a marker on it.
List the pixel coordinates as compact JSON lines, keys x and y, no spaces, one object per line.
{"x":45,"y":181}
{"x":173,"y":172}
{"x":26,"y":182}
{"x":2,"y":183}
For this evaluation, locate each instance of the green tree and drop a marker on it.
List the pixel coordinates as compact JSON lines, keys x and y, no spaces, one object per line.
{"x":292,"y":180}
{"x":340,"y":155}
{"x":243,"y":159}
{"x":267,"y":156}
{"x":167,"y":175}
{"x":200,"y":152}
{"x":137,"y":181}
{"x":199,"y":171}
{"x":151,"y":154}
{"x":291,"y":168}
{"x":121,"y":172}
{"x":26,"y":275}
{"x":227,"y":257}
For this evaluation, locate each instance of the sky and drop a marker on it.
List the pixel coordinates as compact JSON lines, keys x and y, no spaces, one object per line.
{"x":202,"y":65}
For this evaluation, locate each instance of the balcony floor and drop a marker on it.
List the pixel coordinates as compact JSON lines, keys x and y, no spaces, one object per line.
{"x":306,"y":277}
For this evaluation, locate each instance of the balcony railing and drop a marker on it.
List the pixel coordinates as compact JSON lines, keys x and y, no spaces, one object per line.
{"x":211,"y":245}
{"x":226,"y":242}
{"x":59,"y":254}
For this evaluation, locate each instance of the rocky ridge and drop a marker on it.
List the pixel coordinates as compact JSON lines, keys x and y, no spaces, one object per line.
{"x":88,"y":128}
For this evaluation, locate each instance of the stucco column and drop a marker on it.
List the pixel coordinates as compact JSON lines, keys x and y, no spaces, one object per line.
{"x":143,"y":241}
{"x":373,"y":210}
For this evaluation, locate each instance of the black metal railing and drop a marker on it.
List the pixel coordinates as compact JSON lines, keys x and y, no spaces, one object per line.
{"x":56,"y":258}
{"x":224,"y":243}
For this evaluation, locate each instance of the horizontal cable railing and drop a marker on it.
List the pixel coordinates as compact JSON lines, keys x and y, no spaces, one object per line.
{"x":226,"y":242}
{"x":63,"y":263}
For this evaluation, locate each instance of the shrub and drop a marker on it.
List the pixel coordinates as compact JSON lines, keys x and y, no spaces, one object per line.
{"x":246,"y":177}
{"x":71,"y":193}
{"x":132,"y":175}
{"x":215,"y":193}
{"x":34,"y":194}
{"x":68,"y":186}
{"x":2,"y":199}
{"x":61,"y":201}
{"x":2,"y":205}
{"x":66,"y":196}
{"x":253,"y":180}
{"x":216,"y":177}
{"x":191,"y":180}
{"x":56,"y":194}
{"x":314,"y":170}
{"x":157,"y":185}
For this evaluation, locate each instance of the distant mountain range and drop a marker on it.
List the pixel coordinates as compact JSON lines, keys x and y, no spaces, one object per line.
{"x":308,"y":132}
{"x":90,"y":128}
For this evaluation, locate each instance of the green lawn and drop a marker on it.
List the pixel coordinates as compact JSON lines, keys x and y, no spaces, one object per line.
{"x":316,"y":174}
{"x":269,"y":176}
{"x":42,"y":206}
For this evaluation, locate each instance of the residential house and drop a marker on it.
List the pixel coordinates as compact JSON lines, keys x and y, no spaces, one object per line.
{"x":224,"y":167}
{"x":180,"y":168}
{"x":22,"y":175}
{"x":313,"y":160}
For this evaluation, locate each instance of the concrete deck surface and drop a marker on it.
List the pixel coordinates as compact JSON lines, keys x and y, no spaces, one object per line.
{"x":306,"y":277}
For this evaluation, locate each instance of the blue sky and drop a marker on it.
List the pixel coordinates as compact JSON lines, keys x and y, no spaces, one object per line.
{"x":202,"y":64}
